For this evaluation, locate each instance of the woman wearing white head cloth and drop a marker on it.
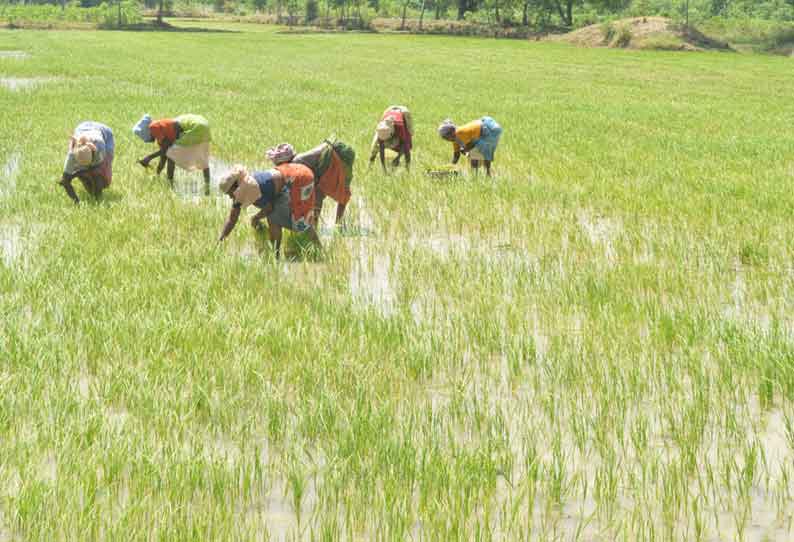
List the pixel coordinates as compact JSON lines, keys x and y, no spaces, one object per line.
{"x":90,"y":159}
{"x":394,"y":132}
{"x":284,"y":196}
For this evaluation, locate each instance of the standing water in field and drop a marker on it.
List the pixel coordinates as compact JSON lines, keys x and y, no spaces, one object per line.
{"x":17,"y":84}
{"x":601,"y":231}
{"x":189,"y":185}
{"x":9,"y":173}
{"x":10,"y":244}
{"x":443,"y":245}
{"x":370,"y":281}
{"x":18,"y":55}
{"x":16,"y":243}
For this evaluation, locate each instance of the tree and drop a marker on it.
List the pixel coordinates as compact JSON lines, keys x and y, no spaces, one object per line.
{"x":405,"y":12}
{"x":565,"y":10}
{"x":312,"y":10}
{"x":441,"y":7}
{"x":464,"y":6}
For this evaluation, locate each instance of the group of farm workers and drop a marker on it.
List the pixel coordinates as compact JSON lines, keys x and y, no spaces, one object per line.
{"x":290,"y":194}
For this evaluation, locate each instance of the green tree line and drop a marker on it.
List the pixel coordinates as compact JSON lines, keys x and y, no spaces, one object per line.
{"x":542,"y":13}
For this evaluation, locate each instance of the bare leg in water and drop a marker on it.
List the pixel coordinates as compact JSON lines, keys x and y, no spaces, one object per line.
{"x":169,"y":172}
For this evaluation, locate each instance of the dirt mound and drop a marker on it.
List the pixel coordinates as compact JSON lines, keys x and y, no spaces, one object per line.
{"x":642,"y":33}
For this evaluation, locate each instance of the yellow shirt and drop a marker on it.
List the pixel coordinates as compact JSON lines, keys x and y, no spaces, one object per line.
{"x":467,"y":133}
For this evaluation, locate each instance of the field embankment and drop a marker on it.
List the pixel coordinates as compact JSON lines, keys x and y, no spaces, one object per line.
{"x":658,"y":33}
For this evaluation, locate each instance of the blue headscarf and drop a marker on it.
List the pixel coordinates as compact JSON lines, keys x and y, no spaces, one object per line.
{"x":142,"y":129}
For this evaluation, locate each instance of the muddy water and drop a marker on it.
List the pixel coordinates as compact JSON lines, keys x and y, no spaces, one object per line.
{"x":278,"y":510}
{"x":273,"y":506}
{"x":18,"y":84}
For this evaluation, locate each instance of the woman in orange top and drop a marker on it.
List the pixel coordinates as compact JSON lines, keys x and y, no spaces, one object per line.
{"x":284,"y":195}
{"x":331,"y":163}
{"x":184,"y":141}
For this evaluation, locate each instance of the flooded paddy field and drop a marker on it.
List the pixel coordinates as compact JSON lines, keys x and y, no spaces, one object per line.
{"x":595,"y":344}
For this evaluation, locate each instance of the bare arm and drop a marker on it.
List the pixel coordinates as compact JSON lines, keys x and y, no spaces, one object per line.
{"x":149,"y":157}
{"x":258,"y":217}
{"x":164,"y":146}
{"x":231,"y":222}
{"x":66,"y":183}
{"x":374,"y":153}
{"x":407,"y":153}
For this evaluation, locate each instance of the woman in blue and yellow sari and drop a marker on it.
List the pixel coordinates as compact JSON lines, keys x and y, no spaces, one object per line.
{"x":477,"y":139}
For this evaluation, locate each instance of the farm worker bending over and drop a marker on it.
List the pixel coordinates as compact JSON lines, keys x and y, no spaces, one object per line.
{"x":478,"y":139}
{"x":332,"y":166}
{"x":284,"y":195}
{"x":90,"y":159}
{"x":184,"y":142}
{"x":394,"y":132}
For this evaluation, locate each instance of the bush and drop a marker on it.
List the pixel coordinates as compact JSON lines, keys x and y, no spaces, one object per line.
{"x":105,"y":15}
{"x":608,"y":32}
{"x":624,"y":36}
